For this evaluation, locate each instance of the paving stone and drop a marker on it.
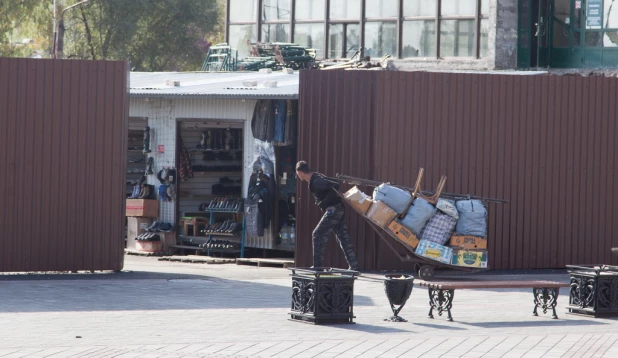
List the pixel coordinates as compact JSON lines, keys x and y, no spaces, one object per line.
{"x":173,"y":309}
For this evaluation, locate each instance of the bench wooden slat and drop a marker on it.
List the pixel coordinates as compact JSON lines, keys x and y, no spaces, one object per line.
{"x":454,"y":285}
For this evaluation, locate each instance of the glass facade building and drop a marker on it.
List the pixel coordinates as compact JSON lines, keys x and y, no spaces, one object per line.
{"x":340,"y":28}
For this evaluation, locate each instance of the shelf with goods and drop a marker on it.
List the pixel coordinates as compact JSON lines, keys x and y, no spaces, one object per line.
{"x":136,"y":159}
{"x":204,"y":236}
{"x":240,"y":234}
{"x":217,"y":178}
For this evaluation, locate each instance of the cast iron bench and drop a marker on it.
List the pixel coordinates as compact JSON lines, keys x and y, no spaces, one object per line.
{"x":441,"y":294}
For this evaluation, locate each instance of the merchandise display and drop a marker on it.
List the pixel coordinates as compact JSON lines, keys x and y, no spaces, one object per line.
{"x":210,"y":202}
{"x":216,"y":168}
{"x":148,"y":236}
{"x":216,"y":244}
{"x":225,"y":227}
{"x":231,"y":204}
{"x":159,"y":226}
{"x":202,"y":186}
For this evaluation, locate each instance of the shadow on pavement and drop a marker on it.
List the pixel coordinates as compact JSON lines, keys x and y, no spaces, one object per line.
{"x":141,"y":291}
{"x":362,"y":327}
{"x":534,"y":323}
{"x":105,"y":275}
{"x":436,"y":326}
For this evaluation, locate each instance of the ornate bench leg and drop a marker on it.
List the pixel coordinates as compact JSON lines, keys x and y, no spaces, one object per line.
{"x":441,"y":300}
{"x":545,"y":298}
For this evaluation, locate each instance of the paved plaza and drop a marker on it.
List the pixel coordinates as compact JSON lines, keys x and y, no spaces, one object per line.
{"x":171,"y":309}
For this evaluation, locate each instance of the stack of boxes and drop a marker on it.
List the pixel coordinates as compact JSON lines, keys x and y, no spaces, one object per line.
{"x":140,"y":213}
{"x":462,"y":249}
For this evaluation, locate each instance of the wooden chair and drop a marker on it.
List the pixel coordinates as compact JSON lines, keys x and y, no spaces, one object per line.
{"x":418,"y":192}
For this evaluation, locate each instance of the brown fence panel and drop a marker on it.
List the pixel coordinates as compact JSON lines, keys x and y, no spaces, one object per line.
{"x":63,"y":148}
{"x":544,"y":143}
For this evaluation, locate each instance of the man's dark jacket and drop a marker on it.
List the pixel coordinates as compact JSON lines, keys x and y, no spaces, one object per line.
{"x":321,"y":187}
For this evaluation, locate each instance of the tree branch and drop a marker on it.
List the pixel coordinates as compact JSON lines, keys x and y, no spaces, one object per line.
{"x":88,"y":34}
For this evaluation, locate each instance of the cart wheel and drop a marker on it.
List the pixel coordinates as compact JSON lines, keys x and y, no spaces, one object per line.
{"x":426,"y":272}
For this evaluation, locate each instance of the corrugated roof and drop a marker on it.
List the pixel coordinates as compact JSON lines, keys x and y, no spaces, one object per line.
{"x":214,"y":85}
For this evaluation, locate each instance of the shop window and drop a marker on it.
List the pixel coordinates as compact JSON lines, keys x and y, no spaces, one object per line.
{"x":458,"y":7}
{"x":610,"y":39}
{"x":310,"y":35}
{"x":352,"y":39}
{"x":275,"y":33}
{"x":593,"y":39}
{"x":560,"y":35}
{"x":413,"y":8}
{"x":381,"y":8}
{"x":419,"y":38}
{"x":336,"y":40}
{"x":484,"y":38}
{"x":309,"y":10}
{"x":485,"y":6}
{"x":340,"y":45}
{"x":239,"y":35}
{"x":610,"y":14}
{"x":457,"y":38}
{"x":243,"y":10}
{"x":345,"y":9}
{"x":380,"y":39}
{"x":562,"y":11}
{"x":273,"y":10}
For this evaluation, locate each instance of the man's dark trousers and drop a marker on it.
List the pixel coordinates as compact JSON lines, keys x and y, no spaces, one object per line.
{"x":333,"y":219}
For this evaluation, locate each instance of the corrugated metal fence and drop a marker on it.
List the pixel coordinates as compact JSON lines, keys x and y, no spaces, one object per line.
{"x":63,"y":150}
{"x":544,"y":143}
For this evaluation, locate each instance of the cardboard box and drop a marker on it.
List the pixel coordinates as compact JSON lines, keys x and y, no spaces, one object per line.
{"x":143,"y":208}
{"x":403,"y":233}
{"x":359,"y":200}
{"x":149,"y":246}
{"x":468,"y":242}
{"x":434,"y":251}
{"x":469,"y":258}
{"x":381,"y":214}
{"x":135,"y":227}
{"x":168,"y":239}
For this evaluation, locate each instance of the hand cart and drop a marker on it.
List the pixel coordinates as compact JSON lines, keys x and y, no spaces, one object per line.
{"x":424,"y":267}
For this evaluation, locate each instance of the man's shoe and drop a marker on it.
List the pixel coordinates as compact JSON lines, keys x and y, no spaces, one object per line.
{"x":152,"y":226}
{"x":135,"y":192}
{"x":147,"y":139}
{"x":164,"y":227}
{"x":149,"y":165}
{"x":141,"y":192}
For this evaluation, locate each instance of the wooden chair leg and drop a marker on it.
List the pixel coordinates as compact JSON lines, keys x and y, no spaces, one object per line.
{"x":434,"y":198}
{"x":417,"y":188}
{"x":418,"y":192}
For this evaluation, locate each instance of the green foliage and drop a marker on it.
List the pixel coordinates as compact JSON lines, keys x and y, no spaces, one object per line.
{"x":25,"y":19}
{"x":154,"y":35}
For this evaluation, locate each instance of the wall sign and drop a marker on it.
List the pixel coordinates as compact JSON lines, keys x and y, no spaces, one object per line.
{"x":594,"y":14}
{"x":161,"y":148}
